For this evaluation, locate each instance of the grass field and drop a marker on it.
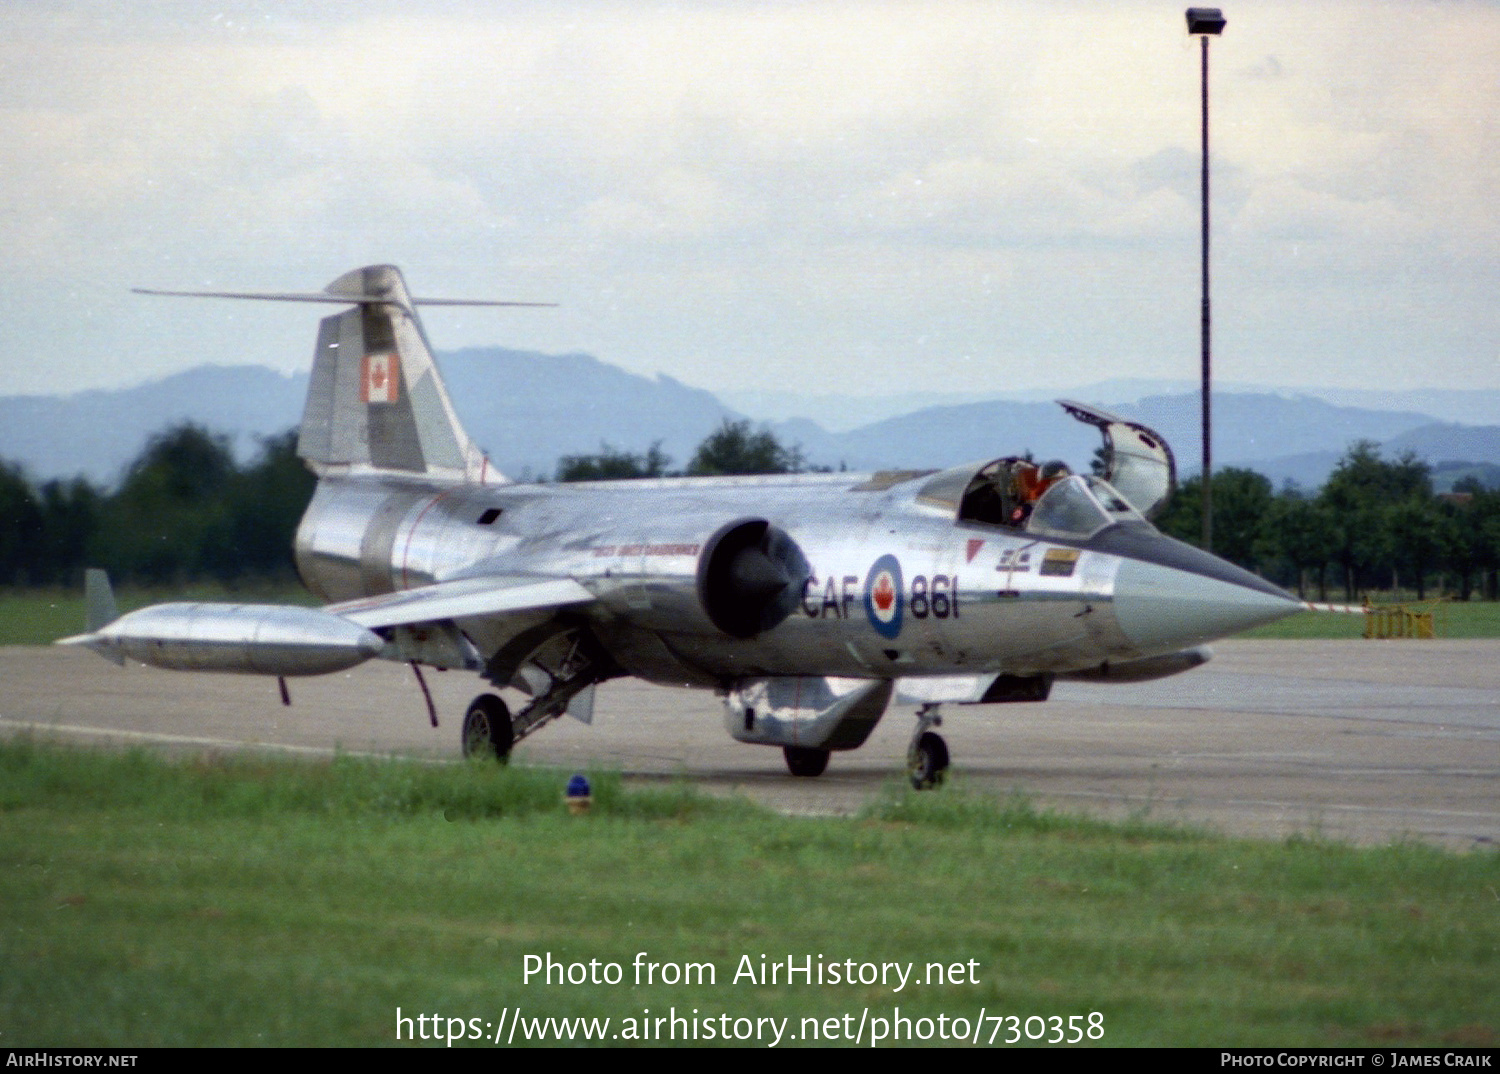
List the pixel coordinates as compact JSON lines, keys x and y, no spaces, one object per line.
{"x":1473,"y":619}
{"x":244,"y":901}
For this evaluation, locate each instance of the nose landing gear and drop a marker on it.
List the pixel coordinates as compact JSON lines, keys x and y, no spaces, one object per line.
{"x":927,"y":756}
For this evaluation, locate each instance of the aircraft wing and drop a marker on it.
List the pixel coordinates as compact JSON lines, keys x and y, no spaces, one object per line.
{"x":462,"y":598}
{"x":278,"y":639}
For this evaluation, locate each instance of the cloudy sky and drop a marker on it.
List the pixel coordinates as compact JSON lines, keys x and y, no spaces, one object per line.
{"x":861,"y":197}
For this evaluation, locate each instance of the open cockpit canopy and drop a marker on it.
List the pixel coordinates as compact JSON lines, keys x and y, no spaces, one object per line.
{"x":1138,"y":477}
{"x":1137,"y":461}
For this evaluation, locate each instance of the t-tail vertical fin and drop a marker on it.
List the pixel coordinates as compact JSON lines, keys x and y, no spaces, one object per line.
{"x":377,"y":400}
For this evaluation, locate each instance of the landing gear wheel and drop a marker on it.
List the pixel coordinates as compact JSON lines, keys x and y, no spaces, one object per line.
{"x":928,"y":761}
{"x":487,"y":730}
{"x":804,"y":760}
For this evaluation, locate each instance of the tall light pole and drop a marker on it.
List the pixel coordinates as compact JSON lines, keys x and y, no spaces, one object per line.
{"x":1206,"y":22}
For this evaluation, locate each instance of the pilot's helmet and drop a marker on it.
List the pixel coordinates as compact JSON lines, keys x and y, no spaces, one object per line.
{"x":1054,"y":469}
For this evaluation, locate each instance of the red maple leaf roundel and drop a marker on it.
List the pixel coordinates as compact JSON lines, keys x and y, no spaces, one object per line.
{"x":883,"y":596}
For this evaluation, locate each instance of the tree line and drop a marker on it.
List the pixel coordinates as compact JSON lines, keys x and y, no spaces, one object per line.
{"x":733,"y":448}
{"x":185,"y":509}
{"x":1376,"y":524}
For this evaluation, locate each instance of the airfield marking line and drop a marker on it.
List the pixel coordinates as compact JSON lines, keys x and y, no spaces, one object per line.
{"x":198,"y":740}
{"x":1278,"y":803}
{"x":1303,"y":761}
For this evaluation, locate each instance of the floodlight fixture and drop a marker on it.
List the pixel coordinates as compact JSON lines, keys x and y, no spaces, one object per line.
{"x":1205,"y":20}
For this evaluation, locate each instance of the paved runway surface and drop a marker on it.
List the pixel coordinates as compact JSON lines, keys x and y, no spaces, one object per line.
{"x":1362,"y":740}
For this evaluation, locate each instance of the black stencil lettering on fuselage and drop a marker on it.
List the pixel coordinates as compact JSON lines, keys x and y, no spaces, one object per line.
{"x":937,"y":598}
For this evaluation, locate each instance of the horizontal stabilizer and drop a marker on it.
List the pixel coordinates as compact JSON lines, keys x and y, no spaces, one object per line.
{"x":343,"y":300}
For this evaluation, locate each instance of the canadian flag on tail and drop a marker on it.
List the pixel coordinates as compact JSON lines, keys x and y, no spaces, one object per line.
{"x":380,"y":378}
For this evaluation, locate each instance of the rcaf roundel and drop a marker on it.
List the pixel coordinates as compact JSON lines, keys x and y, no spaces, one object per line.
{"x":380,"y":378}
{"x":883,"y":596}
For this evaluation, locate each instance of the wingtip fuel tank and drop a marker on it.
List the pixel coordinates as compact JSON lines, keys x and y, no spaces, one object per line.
{"x":260,"y":639}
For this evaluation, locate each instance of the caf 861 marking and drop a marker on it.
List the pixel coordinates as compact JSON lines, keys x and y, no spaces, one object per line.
{"x":806,"y":601}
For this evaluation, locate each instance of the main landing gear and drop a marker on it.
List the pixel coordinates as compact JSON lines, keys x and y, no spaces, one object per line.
{"x":555,"y":674}
{"x":490,"y":729}
{"x":927,"y":756}
{"x":805,"y":760}
{"x":487,"y":730}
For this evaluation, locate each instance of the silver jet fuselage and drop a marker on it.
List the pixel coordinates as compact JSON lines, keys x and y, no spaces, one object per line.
{"x":807,"y":601}
{"x":883,"y":577}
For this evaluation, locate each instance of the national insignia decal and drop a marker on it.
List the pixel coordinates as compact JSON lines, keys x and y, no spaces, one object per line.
{"x":380,"y":378}
{"x":883,"y":596}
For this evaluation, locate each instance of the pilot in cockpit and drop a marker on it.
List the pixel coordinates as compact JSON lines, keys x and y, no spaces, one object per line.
{"x":1005,"y":491}
{"x":1028,"y":482}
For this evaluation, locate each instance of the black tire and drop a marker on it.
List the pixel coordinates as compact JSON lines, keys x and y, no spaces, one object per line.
{"x":487,"y":730}
{"x":928,"y":762}
{"x":804,"y":760}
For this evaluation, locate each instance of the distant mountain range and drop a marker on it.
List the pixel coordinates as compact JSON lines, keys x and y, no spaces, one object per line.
{"x":528,"y":409}
{"x":839,"y":413}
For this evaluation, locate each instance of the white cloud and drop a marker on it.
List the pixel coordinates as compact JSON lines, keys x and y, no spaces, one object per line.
{"x":699,"y":183}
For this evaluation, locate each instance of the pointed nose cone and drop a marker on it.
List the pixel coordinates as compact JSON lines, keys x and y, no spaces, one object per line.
{"x":1161,"y":608}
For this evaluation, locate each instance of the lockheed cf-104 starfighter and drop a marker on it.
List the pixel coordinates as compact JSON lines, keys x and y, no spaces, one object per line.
{"x":808,"y":602}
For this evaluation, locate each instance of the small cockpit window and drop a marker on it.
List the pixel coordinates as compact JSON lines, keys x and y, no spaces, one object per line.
{"x":489,"y":516}
{"x":1080,"y":507}
{"x":1120,"y":509}
{"x":1067,"y":508}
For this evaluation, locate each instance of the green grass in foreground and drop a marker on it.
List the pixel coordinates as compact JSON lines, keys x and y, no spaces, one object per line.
{"x":246,"y":901}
